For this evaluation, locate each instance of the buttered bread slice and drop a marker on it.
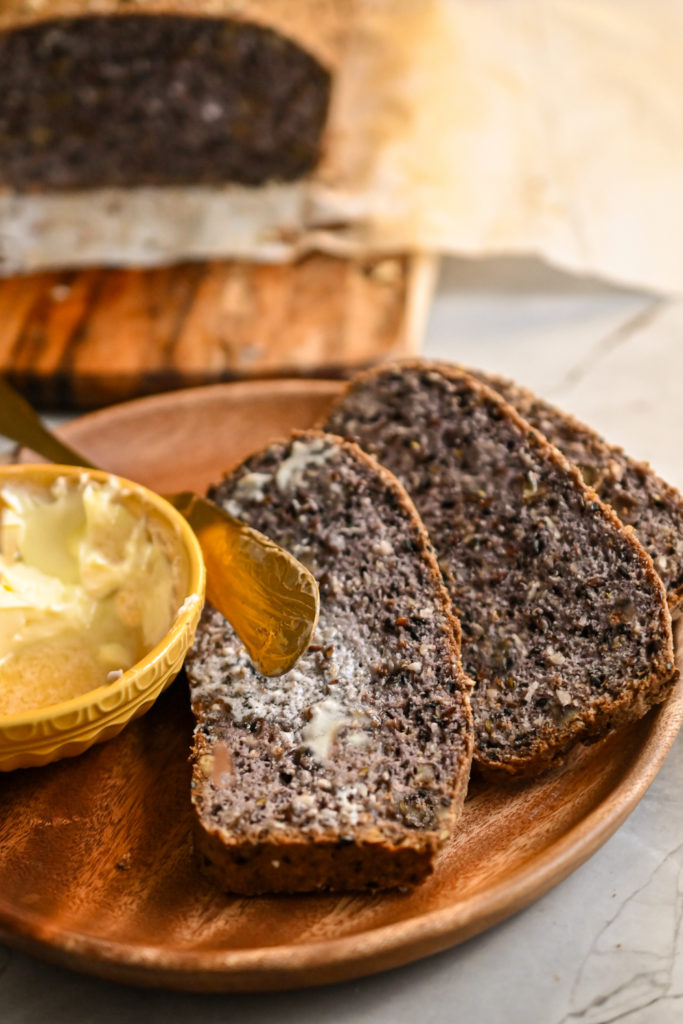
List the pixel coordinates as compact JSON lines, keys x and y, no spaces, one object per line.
{"x":565,"y":624}
{"x":349,"y":771}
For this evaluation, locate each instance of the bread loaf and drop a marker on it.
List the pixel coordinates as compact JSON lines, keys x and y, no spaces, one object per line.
{"x":565,"y":624}
{"x":145,"y":132}
{"x":101,"y":93}
{"x":640,"y":498}
{"x":350,"y":770}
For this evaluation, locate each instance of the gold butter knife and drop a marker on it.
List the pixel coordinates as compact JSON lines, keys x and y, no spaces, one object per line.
{"x":267,"y":596}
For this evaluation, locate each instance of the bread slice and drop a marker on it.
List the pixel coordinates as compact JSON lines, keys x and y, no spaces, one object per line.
{"x":350,"y":770}
{"x":565,"y":624}
{"x":640,"y":498}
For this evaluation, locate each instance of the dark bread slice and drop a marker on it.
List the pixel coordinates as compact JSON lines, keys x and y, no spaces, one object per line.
{"x":564,"y":621}
{"x":350,"y":770}
{"x":640,"y":498}
{"x":155,"y":94}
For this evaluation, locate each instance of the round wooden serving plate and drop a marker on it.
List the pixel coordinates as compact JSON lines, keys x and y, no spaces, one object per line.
{"x":96,"y":863}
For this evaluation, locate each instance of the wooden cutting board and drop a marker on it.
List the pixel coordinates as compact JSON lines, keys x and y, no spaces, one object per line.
{"x":87,"y":338}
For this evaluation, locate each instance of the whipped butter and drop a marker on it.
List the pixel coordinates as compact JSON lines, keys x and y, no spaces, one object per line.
{"x":86,"y":589}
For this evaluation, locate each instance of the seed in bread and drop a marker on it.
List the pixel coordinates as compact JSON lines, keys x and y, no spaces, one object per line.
{"x":350,"y":770}
{"x":565,"y":625}
{"x":640,"y":498}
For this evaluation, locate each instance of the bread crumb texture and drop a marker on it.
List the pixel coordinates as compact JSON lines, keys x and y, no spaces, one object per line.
{"x":142,"y":99}
{"x":640,"y":498}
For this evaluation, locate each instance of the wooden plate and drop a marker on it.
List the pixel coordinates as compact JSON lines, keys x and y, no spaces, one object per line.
{"x":96,"y":866}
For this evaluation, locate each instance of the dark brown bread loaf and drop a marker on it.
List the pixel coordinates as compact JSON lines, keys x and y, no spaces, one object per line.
{"x":157,"y":92}
{"x":565,"y":623}
{"x":350,"y":770}
{"x":640,"y":498}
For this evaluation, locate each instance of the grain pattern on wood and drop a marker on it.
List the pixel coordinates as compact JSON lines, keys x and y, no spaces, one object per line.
{"x":81,"y":339}
{"x":96,"y":861}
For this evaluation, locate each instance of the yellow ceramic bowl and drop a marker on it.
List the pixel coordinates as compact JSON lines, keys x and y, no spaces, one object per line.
{"x":36,"y":737}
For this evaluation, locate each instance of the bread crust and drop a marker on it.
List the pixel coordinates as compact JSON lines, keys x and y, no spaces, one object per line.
{"x":637,"y":696}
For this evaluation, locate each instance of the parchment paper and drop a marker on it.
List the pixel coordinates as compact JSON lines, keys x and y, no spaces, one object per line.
{"x":478,"y":127}
{"x":552,"y":127}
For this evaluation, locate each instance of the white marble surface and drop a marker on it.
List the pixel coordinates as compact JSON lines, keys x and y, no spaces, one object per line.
{"x":606,"y":944}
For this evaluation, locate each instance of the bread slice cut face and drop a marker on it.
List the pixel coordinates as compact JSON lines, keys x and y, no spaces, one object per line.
{"x":637,"y":494}
{"x":350,"y":770}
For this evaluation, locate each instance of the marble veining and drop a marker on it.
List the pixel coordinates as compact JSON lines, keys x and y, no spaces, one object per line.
{"x":641,"y":320}
{"x":631,"y":964}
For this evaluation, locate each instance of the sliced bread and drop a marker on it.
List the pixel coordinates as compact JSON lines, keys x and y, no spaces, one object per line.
{"x":350,"y":770}
{"x":565,"y":624}
{"x":640,"y":498}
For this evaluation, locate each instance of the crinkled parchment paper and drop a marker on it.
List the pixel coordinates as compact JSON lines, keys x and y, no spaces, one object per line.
{"x":475,"y":127}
